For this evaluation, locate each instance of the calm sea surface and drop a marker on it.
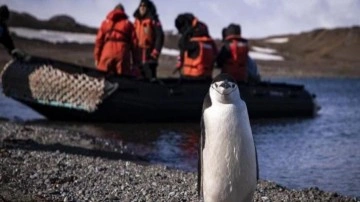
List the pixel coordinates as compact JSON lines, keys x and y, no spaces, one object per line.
{"x":323,"y":151}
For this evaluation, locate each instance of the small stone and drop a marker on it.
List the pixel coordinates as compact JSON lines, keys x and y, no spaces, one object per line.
{"x":265,"y":198}
{"x":171,"y":194}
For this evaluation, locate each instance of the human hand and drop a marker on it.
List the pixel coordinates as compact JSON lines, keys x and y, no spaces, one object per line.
{"x":154,"y":54}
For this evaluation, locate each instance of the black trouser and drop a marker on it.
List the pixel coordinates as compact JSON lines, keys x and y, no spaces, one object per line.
{"x":148,"y":70}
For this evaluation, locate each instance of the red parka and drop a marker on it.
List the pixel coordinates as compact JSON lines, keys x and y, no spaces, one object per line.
{"x":115,"y":44}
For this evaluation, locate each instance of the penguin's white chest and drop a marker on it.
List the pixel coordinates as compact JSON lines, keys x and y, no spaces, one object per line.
{"x":229,"y":165}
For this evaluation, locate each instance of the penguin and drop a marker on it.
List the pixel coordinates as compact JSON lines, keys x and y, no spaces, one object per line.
{"x":227,"y":168}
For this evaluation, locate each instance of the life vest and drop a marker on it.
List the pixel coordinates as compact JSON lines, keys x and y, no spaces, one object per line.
{"x":115,"y":54}
{"x":202,"y":65}
{"x":236,"y":64}
{"x":144,"y":32}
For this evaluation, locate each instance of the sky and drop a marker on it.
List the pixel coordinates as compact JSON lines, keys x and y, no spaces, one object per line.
{"x":258,"y":18}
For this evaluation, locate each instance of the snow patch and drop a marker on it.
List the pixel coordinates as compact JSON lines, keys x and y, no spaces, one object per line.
{"x":265,"y":56}
{"x":278,"y":40}
{"x":54,"y":36}
{"x":170,"y":52}
{"x":263,"y":50}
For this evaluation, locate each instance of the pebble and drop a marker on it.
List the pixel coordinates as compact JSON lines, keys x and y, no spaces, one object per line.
{"x":64,"y":175}
{"x":265,"y":199}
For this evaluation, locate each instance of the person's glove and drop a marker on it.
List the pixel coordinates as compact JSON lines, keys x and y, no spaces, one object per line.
{"x":154,"y":54}
{"x":20,"y":55}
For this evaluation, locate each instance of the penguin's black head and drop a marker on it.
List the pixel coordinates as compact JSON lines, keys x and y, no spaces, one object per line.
{"x":223,"y":77}
{"x":224,"y":84}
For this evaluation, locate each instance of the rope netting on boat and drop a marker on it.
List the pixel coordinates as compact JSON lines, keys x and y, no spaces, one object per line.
{"x":44,"y":83}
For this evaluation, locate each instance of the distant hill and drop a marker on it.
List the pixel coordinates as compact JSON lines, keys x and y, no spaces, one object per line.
{"x":58,"y":23}
{"x":320,"y":44}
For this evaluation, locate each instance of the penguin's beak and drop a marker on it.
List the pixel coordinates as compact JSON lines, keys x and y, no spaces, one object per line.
{"x":224,"y":87}
{"x":225,"y":84}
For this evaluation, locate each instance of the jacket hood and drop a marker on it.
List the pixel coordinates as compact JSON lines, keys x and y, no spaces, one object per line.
{"x":232,"y":29}
{"x":185,"y":25}
{"x":151,"y":10}
{"x":116,"y":15}
{"x":184,"y":21}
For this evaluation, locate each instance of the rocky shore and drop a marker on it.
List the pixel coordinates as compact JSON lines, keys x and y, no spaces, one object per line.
{"x":39,"y":163}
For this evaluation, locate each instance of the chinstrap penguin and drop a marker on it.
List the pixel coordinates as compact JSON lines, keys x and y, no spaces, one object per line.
{"x":228,"y":169}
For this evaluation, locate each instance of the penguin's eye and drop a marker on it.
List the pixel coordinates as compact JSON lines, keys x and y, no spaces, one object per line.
{"x":233,"y":86}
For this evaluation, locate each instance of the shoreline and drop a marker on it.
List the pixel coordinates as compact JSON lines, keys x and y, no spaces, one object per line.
{"x":41,"y":163}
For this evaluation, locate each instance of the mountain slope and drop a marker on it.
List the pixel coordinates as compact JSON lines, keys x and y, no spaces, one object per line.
{"x":321,"y":44}
{"x":58,"y":23}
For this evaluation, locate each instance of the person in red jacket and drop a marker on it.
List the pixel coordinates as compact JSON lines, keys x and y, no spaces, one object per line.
{"x":197,"y":49}
{"x":234,"y":56}
{"x":115,"y":43}
{"x":150,"y":38}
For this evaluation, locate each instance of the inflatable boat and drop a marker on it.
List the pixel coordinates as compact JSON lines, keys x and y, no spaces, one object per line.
{"x":68,"y":92}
